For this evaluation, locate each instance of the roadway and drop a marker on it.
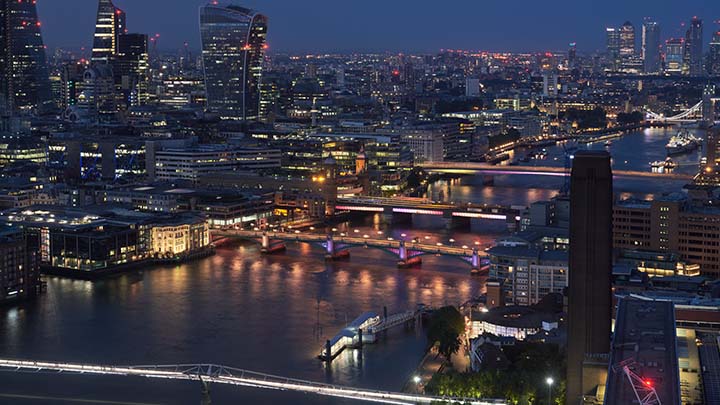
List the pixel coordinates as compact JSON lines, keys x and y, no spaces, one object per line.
{"x":363,"y":240}
{"x":210,"y":373}
{"x":484,"y":168}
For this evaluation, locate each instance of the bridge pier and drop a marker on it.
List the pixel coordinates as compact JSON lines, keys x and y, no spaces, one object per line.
{"x":267,"y":247}
{"x":205,"y":387}
{"x":404,"y":259}
{"x":331,"y":252}
{"x":475,"y":261}
{"x":512,"y":222}
{"x":396,"y":218}
{"x":454,"y":222}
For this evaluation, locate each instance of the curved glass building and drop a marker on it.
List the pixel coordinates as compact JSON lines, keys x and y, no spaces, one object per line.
{"x":24,"y":79}
{"x":233,"y":46}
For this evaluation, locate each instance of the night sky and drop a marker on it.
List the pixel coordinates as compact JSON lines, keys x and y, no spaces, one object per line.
{"x":394,"y":25}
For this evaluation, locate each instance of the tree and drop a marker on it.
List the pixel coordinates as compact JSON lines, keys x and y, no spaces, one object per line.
{"x":634,"y":117}
{"x":445,"y":328}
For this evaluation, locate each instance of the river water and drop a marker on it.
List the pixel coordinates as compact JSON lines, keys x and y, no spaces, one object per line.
{"x":269,"y":314}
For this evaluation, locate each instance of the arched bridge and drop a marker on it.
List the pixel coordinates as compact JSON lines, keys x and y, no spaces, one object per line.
{"x":336,"y":247}
{"x":211,"y":373}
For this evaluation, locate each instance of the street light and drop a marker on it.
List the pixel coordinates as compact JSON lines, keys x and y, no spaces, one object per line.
{"x":549,"y":382}
{"x":417,"y":379}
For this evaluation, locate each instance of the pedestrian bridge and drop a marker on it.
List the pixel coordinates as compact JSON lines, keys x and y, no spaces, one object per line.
{"x":336,"y":247}
{"x":211,"y":373}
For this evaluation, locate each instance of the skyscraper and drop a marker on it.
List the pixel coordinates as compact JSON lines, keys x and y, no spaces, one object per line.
{"x":694,"y":47}
{"x":24,"y":79}
{"x":714,"y":55}
{"x":613,"y":47}
{"x":674,"y":55}
{"x":233,"y":47}
{"x":651,"y":46}
{"x":108,"y":27}
{"x":130,"y":69}
{"x":627,"y":40}
{"x":572,"y":55}
{"x":590,"y":269}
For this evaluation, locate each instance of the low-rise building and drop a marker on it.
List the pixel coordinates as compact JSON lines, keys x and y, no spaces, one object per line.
{"x":97,"y":239}
{"x":529,"y":273}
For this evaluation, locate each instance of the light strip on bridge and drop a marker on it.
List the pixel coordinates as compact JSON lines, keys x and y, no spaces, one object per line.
{"x":353,"y":208}
{"x":478,"y":215}
{"x":416,"y":211}
{"x":226,"y":375}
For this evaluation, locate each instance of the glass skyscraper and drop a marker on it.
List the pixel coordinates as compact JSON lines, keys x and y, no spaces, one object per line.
{"x":108,"y":27}
{"x":651,"y":46}
{"x":694,"y":50}
{"x":233,"y":46}
{"x":24,"y":80}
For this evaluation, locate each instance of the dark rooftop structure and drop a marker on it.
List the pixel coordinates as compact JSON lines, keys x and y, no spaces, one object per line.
{"x":644,"y":350}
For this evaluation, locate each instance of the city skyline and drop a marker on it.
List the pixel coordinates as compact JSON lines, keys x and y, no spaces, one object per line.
{"x":305,"y":29}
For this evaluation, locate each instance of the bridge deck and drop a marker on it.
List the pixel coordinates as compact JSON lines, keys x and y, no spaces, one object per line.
{"x":470,"y":167}
{"x":232,"y":376}
{"x":350,"y":241}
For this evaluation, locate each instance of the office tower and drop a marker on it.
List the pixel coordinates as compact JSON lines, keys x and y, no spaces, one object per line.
{"x":108,"y":27}
{"x":572,"y":55}
{"x":472,"y":87}
{"x":674,"y":55}
{"x":590,"y":269}
{"x":24,"y":79}
{"x":627,"y":40}
{"x":130,"y":69}
{"x":651,"y":47}
{"x":714,"y":55}
{"x":550,"y":84}
{"x":613,"y":47}
{"x":694,"y":48}
{"x":233,"y":46}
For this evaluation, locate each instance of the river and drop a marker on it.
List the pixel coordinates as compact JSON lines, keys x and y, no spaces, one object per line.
{"x":268,"y":314}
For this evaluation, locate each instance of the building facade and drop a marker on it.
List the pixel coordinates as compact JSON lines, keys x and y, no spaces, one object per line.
{"x":670,"y":225}
{"x":19,"y":266}
{"x":651,"y":47}
{"x":24,"y":78}
{"x":110,"y":24}
{"x":590,"y":266}
{"x":233,"y":44}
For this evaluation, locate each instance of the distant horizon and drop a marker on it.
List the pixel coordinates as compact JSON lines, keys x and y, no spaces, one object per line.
{"x":420,"y":29}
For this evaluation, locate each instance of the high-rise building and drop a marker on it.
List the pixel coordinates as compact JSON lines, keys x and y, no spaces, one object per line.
{"x":627,"y":40}
{"x":694,"y":48}
{"x":130,"y":69}
{"x":24,"y":79}
{"x":233,"y":47}
{"x":714,"y":55}
{"x":651,"y":46}
{"x":108,"y":27}
{"x":613,"y":47}
{"x":572,"y":55}
{"x":590,"y":268}
{"x":674,"y":55}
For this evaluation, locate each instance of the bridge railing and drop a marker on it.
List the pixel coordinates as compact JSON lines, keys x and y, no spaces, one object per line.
{"x":227,"y":375}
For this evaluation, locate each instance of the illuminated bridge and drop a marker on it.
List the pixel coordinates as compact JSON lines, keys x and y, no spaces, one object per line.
{"x":337,"y":247}
{"x":210,"y":373}
{"x":484,"y":168}
{"x":458,"y":214}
